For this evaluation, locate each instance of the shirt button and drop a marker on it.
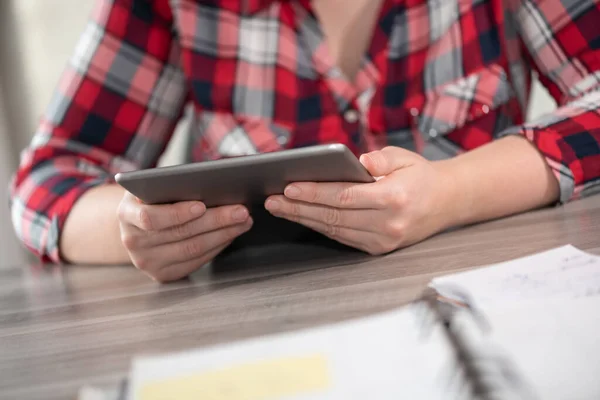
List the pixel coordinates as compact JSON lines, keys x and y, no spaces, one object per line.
{"x":414,"y":112}
{"x":433,"y":133}
{"x":351,"y":116}
{"x":282,"y":140}
{"x":485,"y":109}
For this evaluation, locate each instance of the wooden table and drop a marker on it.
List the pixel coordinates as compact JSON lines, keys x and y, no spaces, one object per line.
{"x":61,"y":328}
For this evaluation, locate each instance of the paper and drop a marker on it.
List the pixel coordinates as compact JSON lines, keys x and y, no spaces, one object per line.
{"x":399,"y":354}
{"x":553,"y":342}
{"x":543,"y":315}
{"x":96,"y":393}
{"x":564,"y":272}
{"x":258,"y":380}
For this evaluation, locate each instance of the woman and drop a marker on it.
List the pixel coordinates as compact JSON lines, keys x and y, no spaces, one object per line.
{"x":431,"y":93}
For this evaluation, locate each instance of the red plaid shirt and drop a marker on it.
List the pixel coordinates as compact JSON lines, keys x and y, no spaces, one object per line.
{"x":440,"y":77}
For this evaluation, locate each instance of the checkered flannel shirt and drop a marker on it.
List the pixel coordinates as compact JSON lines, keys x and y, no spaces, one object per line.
{"x":440,"y":77}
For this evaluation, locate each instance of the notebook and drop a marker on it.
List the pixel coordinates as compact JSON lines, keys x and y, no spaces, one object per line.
{"x":525,"y":329}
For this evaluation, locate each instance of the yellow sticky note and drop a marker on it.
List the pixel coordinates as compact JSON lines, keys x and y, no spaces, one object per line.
{"x":262,"y":380}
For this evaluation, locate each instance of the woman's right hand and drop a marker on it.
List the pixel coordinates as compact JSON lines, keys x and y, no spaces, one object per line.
{"x":170,"y":241}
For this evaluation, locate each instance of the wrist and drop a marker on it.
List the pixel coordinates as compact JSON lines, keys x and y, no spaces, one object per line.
{"x":456,"y":195}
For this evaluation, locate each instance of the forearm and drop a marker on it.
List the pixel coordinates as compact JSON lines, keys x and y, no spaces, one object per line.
{"x":504,"y":177}
{"x":91,"y":232}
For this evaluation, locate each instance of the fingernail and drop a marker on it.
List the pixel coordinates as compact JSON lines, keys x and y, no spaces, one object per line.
{"x":292,"y":191}
{"x":273,"y":205}
{"x":240,"y":214}
{"x":245,"y":226}
{"x":197,"y":209}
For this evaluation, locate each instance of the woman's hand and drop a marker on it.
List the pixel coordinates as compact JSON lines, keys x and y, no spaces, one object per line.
{"x":410,"y":201}
{"x":168,"y":242}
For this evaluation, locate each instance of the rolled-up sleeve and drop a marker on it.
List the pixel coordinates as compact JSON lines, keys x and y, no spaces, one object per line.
{"x":114,"y":109}
{"x":563,"y":42}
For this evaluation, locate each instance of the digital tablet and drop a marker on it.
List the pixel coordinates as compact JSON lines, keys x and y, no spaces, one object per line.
{"x":247,"y":180}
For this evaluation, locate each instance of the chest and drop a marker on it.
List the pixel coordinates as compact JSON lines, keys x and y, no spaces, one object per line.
{"x":348,"y":30}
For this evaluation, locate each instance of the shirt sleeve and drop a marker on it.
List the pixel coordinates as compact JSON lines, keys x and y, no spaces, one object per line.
{"x":563,"y":42}
{"x":115,"y":109}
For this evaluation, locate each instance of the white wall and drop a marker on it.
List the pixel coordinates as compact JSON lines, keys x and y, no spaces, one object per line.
{"x":10,"y":251}
{"x":541,"y":102}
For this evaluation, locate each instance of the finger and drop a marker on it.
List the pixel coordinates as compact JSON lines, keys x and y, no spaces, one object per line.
{"x":157,"y":217}
{"x":213,"y":219}
{"x":336,"y":194}
{"x":370,"y":242}
{"x":184,"y":269}
{"x":387,"y":160}
{"x":361,"y":219}
{"x":347,"y":236}
{"x":196,"y":246}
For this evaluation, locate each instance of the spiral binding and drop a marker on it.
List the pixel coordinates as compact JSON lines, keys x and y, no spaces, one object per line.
{"x":481,"y":368}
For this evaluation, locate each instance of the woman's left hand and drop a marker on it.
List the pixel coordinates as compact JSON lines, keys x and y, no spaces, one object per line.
{"x":411,"y":200}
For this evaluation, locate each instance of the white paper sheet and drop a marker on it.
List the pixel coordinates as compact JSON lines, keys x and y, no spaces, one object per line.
{"x":553,"y":342}
{"x":564,"y":272}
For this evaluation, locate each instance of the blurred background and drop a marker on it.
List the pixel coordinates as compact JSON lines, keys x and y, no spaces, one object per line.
{"x":36,"y":39}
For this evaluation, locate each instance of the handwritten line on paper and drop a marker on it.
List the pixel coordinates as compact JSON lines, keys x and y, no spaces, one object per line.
{"x":564,"y":272}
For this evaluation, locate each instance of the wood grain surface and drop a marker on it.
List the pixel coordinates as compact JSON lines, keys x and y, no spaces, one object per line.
{"x":63,"y":327}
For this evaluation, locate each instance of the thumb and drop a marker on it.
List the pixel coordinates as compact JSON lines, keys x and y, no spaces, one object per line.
{"x":389,"y":159}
